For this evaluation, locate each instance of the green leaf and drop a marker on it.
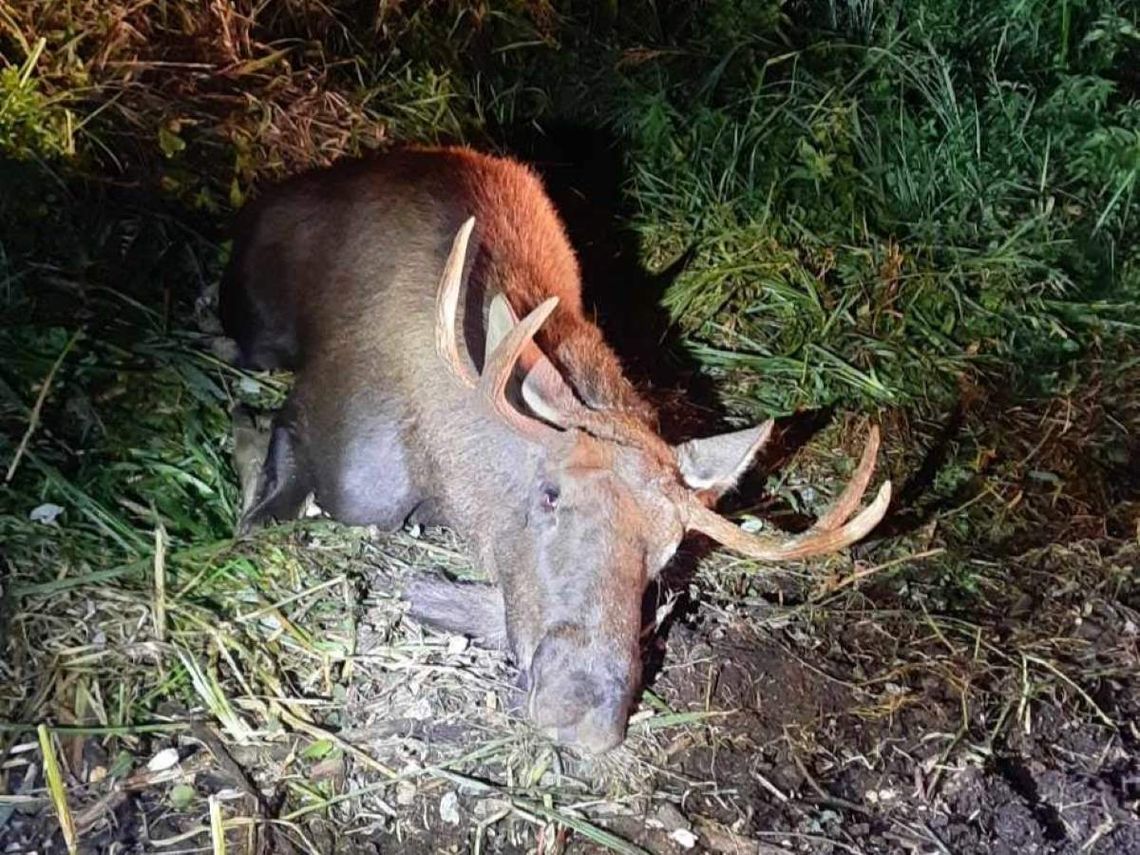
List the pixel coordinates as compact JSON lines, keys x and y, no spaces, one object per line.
{"x":170,"y":143}
{"x":182,"y":796}
{"x":318,"y":750}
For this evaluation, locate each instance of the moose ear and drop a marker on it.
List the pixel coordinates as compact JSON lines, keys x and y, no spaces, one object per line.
{"x":547,"y":395}
{"x":501,"y":319}
{"x":712,"y":466}
{"x":544,"y":391}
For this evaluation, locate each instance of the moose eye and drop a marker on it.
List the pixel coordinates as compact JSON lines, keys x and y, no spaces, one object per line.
{"x":548,"y":496}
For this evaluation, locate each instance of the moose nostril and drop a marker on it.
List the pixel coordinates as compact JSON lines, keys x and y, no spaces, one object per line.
{"x":579,"y":709}
{"x":595,"y":729}
{"x":601,"y":729}
{"x":563,"y":699}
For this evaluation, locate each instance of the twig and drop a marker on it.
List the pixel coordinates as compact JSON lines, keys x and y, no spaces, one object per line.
{"x":248,"y":616}
{"x":814,"y":838}
{"x":104,"y":806}
{"x":937,"y":632}
{"x":823,"y":794}
{"x":769,"y":786}
{"x":871,"y":571}
{"x":37,"y":407}
{"x":1084,"y":695}
{"x":1100,"y":831}
{"x":320,"y":733}
{"x":205,"y":734}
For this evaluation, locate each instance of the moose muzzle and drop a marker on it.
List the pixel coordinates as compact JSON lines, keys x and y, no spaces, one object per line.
{"x":580,"y":697}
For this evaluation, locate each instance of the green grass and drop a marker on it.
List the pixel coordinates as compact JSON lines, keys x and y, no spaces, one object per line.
{"x":893,"y":208}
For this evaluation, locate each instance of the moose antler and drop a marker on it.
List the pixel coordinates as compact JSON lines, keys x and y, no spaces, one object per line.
{"x":501,"y":362}
{"x":831,"y":532}
{"x":497,"y":371}
{"x":447,"y":306}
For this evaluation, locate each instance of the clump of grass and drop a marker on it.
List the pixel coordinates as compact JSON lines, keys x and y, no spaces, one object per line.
{"x":881,"y":212}
{"x":31,"y":124}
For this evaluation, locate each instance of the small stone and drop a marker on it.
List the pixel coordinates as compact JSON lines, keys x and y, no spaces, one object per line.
{"x":405,"y":793}
{"x":671,"y":818}
{"x":449,"y":808}
{"x":456,"y":644}
{"x":685,"y":838}
{"x":165,"y":759}
{"x":47,"y":513}
{"x":485,"y":808}
{"x":881,"y":796}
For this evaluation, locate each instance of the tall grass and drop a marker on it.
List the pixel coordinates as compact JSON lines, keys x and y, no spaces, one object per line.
{"x":922,"y":192}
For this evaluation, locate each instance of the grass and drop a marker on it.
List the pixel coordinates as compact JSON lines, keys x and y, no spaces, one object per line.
{"x":922,"y":211}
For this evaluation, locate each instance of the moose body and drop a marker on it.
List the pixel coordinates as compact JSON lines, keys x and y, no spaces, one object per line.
{"x":393,"y":288}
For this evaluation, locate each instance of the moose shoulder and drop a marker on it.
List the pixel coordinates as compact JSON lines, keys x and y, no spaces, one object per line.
{"x":393,"y":288}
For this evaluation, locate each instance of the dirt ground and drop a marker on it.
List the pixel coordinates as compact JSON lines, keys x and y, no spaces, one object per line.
{"x":860,"y":723}
{"x":866,"y":724}
{"x":872,"y":720}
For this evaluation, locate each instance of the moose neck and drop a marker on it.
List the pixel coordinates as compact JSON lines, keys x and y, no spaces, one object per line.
{"x":525,"y":254}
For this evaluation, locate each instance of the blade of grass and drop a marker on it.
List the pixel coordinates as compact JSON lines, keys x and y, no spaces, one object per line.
{"x":160,"y":582}
{"x":217,"y":830}
{"x":37,"y":407}
{"x":56,"y":789}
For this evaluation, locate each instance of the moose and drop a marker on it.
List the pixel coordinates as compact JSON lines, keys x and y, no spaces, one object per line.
{"x":429,"y":304}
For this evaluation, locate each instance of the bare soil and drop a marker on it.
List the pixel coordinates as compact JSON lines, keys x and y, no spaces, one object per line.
{"x":888,"y":718}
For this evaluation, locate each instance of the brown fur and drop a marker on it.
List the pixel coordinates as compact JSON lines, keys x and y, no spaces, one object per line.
{"x":334,"y":275}
{"x":529,"y":257}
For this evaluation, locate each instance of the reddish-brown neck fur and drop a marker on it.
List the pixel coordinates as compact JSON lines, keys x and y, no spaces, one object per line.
{"x":525,"y":251}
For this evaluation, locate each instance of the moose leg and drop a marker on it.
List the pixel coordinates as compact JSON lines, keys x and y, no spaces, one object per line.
{"x":251,"y":432}
{"x":273,"y":470}
{"x":474,"y":609}
{"x":363,"y":470}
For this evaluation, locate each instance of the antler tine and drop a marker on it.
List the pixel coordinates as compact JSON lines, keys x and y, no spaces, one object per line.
{"x":501,"y":363}
{"x":812,"y":542}
{"x":563,"y":408}
{"x":447,"y":306}
{"x":831,"y":533}
{"x":849,"y":499}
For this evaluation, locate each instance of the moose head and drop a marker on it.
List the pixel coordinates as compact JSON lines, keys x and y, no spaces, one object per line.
{"x":604,"y":503}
